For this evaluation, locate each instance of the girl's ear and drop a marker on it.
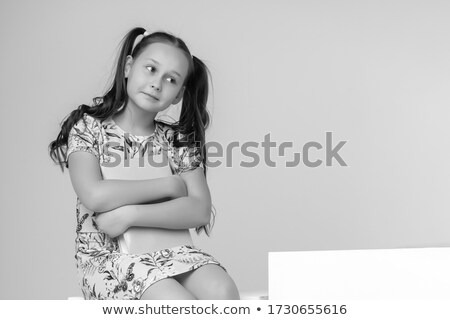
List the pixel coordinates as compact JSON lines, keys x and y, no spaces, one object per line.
{"x":128,"y":64}
{"x":179,"y":96}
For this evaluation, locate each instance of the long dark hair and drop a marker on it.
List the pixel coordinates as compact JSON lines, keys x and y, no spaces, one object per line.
{"x":194,"y":117}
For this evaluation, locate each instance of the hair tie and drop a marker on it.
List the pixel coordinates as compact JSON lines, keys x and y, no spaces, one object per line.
{"x":139,"y":39}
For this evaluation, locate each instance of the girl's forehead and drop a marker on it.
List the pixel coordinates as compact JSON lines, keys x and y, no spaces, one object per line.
{"x":166,"y":55}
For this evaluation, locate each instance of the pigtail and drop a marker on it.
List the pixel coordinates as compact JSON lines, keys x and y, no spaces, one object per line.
{"x":102,"y":107}
{"x":194,"y":116}
{"x":195,"y":119}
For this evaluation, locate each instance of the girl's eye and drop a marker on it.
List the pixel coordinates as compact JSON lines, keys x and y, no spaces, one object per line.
{"x":169,"y":79}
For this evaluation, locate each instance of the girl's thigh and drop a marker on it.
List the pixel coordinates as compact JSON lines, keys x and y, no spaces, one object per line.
{"x":167,"y":289}
{"x":209,"y":282}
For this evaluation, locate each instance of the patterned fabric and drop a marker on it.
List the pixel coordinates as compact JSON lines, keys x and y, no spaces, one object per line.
{"x":97,"y":138}
{"x":107,"y":141}
{"x":103,"y":271}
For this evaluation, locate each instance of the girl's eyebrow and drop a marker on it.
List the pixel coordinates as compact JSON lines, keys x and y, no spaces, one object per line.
{"x":156,"y":62}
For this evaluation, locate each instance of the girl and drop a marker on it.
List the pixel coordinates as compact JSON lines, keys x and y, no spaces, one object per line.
{"x":153,"y":71}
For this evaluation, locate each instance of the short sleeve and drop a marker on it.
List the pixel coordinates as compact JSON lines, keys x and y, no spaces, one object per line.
{"x":187,"y":158}
{"x":184,"y":158}
{"x":84,"y":136}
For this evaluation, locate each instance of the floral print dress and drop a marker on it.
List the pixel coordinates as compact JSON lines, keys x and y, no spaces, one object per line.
{"x":103,"y":271}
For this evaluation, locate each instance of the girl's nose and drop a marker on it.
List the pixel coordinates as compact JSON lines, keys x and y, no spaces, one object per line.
{"x":156,"y":85}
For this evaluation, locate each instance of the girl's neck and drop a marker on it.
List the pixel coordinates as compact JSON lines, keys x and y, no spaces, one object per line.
{"x":134,"y":123}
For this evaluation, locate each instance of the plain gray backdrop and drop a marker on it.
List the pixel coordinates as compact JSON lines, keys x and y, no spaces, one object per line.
{"x":374,"y":73}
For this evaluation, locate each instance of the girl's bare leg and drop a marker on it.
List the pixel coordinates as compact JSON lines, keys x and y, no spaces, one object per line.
{"x":167,"y":289}
{"x":209,"y":282}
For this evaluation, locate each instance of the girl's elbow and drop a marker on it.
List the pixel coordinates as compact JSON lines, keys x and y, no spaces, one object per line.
{"x":94,"y":202}
{"x":205,"y":215}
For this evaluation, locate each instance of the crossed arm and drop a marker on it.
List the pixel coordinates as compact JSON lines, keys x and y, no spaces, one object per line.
{"x":188,"y":198}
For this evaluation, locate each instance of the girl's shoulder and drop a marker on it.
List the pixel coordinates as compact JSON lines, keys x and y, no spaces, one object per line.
{"x":169,"y":131}
{"x":184,"y":157}
{"x":165,"y":129}
{"x":87,"y":123}
{"x":84,"y":136}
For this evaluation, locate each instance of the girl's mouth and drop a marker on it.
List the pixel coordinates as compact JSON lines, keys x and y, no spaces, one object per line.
{"x":152,"y":97}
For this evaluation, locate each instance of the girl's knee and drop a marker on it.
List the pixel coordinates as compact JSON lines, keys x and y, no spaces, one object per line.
{"x":223,"y":290}
{"x":210,"y":282}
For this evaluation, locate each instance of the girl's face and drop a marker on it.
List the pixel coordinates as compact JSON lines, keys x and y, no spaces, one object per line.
{"x":156,"y":77}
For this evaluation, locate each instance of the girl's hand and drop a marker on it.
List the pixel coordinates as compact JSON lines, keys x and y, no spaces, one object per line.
{"x":114,"y":222}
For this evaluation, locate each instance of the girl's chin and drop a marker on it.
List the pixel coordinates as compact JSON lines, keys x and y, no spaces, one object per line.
{"x":151,"y":109}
